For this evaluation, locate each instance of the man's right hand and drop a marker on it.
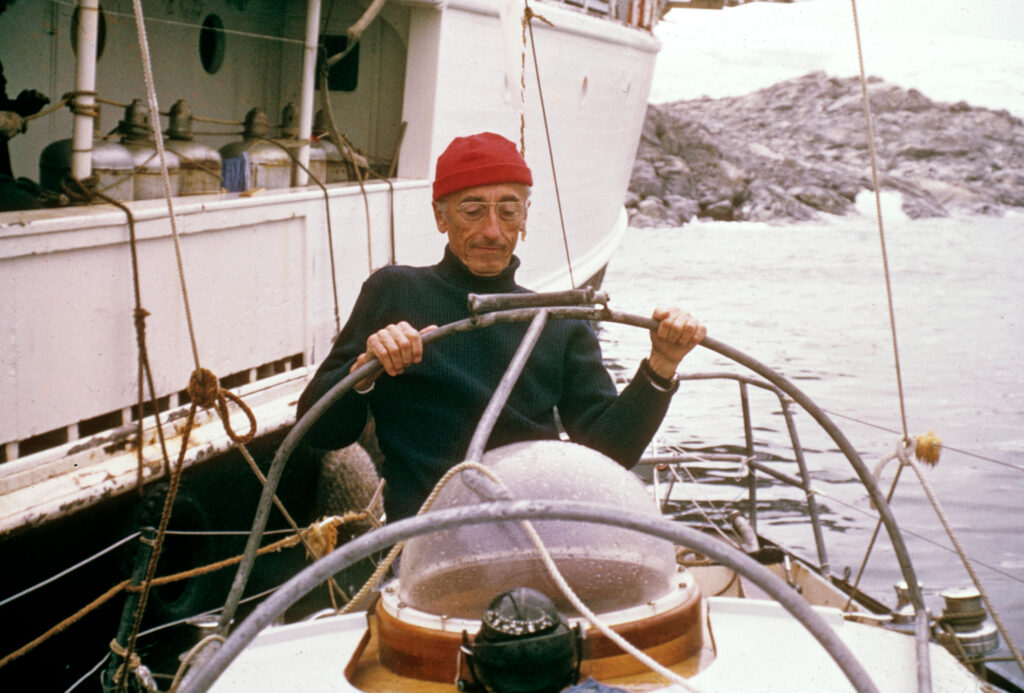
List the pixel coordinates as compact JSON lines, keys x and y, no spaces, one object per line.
{"x":396,"y":346}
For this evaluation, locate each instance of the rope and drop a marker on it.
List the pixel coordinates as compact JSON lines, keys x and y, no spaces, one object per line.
{"x":70,"y":620}
{"x":529,"y":14}
{"x":84,"y":189}
{"x":205,"y":391}
{"x":330,"y":232}
{"x":154,"y":119}
{"x":905,"y":457}
{"x":190,"y":656}
{"x":965,"y":559}
{"x":948,"y":448}
{"x":131,"y":660}
{"x":126,"y":586}
{"x":522,"y":87}
{"x":878,"y":210}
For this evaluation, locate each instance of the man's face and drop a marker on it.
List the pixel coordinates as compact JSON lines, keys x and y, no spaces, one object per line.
{"x":483,"y":224}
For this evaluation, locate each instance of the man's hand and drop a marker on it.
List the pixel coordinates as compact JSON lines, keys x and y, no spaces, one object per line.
{"x":11,"y":124}
{"x":677,"y":334}
{"x":396,"y":346}
{"x":30,"y":102}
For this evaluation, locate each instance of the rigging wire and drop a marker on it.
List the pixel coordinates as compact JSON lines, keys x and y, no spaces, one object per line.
{"x":528,"y":15}
{"x":945,"y":447}
{"x":188,"y":25}
{"x":903,"y":450}
{"x":71,"y":569}
{"x":878,"y":210}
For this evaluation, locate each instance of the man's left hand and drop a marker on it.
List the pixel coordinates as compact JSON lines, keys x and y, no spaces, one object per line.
{"x":677,"y":334}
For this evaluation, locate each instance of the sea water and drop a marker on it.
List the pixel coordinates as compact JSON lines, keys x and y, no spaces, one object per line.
{"x":810,"y":300}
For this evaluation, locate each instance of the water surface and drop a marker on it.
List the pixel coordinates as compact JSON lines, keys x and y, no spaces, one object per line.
{"x":810,"y":301}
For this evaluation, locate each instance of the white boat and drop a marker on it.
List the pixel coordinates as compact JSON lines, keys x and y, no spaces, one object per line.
{"x":263,"y":289}
{"x":263,"y":304}
{"x":702,"y":612}
{"x":272,"y":268}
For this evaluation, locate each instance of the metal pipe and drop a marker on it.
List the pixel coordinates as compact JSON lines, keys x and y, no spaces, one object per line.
{"x":85,"y":86}
{"x":812,"y":505}
{"x":504,"y":389}
{"x":365,"y":545}
{"x":488,"y":303}
{"x":306,"y":96}
{"x":373,"y":367}
{"x":748,"y":437}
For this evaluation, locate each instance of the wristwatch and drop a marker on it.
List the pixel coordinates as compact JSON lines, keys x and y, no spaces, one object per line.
{"x":669,"y":385}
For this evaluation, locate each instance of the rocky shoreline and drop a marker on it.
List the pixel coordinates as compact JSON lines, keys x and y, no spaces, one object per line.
{"x":799,"y":149}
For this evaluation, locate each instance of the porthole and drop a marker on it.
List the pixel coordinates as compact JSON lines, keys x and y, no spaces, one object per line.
{"x":211,"y":43}
{"x":101,"y":32}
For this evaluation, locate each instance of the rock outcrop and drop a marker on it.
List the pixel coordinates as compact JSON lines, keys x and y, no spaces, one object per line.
{"x":799,"y":148}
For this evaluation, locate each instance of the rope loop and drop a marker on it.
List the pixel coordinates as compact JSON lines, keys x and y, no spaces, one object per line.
{"x":205,"y":391}
{"x":222,"y":408}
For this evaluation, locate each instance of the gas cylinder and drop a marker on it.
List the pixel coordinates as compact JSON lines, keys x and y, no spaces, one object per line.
{"x":137,"y":137}
{"x":111,"y":165}
{"x":200,"y":165}
{"x":255,"y":162}
{"x":290,"y":139}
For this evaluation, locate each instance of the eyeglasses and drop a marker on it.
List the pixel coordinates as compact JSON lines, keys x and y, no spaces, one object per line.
{"x":508,"y":210}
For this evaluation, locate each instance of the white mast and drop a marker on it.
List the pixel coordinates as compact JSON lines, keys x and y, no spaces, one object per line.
{"x":308,"y":80}
{"x":85,"y":85}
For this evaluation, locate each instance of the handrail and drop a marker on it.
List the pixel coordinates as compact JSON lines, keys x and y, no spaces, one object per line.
{"x":204,"y":675}
{"x":804,"y":483}
{"x":372,"y":367}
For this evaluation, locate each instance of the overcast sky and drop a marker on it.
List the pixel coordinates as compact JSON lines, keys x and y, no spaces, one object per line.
{"x":949,"y":49}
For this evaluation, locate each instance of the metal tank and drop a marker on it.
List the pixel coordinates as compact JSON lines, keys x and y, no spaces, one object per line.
{"x":137,"y":137}
{"x":256,"y":161}
{"x":338,"y":169}
{"x":200,"y":165}
{"x":290,"y":139}
{"x":112,"y":165}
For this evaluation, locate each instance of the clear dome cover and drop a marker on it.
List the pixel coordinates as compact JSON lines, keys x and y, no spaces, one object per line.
{"x":458,"y":572}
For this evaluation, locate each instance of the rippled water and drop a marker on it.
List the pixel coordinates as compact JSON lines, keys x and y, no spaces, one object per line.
{"x":810,"y":301}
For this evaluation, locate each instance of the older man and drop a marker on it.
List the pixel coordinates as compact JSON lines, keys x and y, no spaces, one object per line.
{"x":427,"y":407}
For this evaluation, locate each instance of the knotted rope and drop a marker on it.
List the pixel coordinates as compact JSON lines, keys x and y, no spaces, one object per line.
{"x":205,"y":391}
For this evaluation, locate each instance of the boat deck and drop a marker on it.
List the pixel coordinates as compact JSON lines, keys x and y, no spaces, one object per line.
{"x":751,"y":644}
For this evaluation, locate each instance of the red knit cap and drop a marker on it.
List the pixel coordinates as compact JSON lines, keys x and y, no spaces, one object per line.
{"x":480,"y":159}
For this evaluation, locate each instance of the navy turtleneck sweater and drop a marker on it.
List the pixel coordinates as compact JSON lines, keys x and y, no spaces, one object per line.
{"x":426,"y":416}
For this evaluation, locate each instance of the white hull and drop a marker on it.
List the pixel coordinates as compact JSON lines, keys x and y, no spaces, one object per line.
{"x":257,"y":268}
